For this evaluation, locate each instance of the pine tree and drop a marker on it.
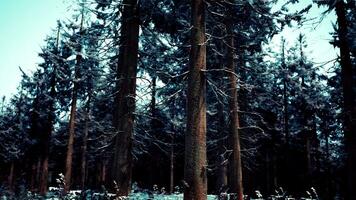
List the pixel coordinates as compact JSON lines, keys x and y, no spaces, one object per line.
{"x":195,"y":167}
{"x":125,"y":96}
{"x":234,"y":121}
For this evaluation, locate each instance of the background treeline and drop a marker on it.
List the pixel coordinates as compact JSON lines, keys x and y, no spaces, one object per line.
{"x":108,"y":101}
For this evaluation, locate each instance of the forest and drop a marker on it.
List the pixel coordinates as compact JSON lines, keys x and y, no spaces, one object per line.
{"x":184,"y":99}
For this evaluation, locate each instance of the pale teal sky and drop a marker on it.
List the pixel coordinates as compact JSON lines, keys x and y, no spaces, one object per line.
{"x":24,"y":24}
{"x":317,"y":34}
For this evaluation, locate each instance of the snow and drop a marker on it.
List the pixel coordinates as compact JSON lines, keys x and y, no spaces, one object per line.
{"x":76,"y":194}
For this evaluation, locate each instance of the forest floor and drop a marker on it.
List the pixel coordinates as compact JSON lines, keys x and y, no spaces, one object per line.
{"x":57,"y":194}
{"x":77,"y":195}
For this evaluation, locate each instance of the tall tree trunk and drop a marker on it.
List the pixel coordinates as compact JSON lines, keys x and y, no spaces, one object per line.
{"x":274,"y":153}
{"x":268,"y":172}
{"x":171,"y":186}
{"x":49,"y":128}
{"x":72,"y":117}
{"x":33,"y":177}
{"x":38,"y":172}
{"x":235,"y":161}
{"x":221,"y":182}
{"x":125,"y":97}
{"x":85,"y":145}
{"x":285,"y":172}
{"x":308,"y":147}
{"x":327,"y":167}
{"x":349,"y":110}
{"x":10,"y":178}
{"x":103,"y":172}
{"x":195,"y":166}
{"x":171,"y":179}
{"x":44,"y":175}
{"x":69,"y":158}
{"x":285,"y":96}
{"x":307,"y":133}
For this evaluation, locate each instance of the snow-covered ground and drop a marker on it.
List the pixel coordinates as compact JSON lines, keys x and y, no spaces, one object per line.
{"x":56,"y":194}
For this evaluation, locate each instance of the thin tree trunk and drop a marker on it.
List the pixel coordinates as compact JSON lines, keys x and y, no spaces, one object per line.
{"x":268,"y":172}
{"x":274,"y":155}
{"x":305,"y":118}
{"x":171,"y":179}
{"x":125,"y":97}
{"x":309,"y":163}
{"x":38,"y":172}
{"x":72,"y":117}
{"x":236,"y":165}
{"x":69,"y":158}
{"x":285,"y":117}
{"x":33,"y":177}
{"x":84,"y":146}
{"x":10,"y":178}
{"x":221,"y":182}
{"x":195,"y":166}
{"x":349,"y":110}
{"x":285,"y":97}
{"x":103,"y":172}
{"x":327,"y":171}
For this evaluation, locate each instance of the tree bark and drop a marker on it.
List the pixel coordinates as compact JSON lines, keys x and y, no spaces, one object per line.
{"x":171,"y":179}
{"x":33,"y":177}
{"x":349,"y":108}
{"x":285,"y":97}
{"x":221,"y":182}
{"x":10,"y":178}
{"x":69,"y":158}
{"x":125,"y":96}
{"x":38,"y":172}
{"x":49,"y":128}
{"x":195,"y":166}
{"x":72,"y":117}
{"x":44,"y":175}
{"x":235,"y":161}
{"x":103,"y":172}
{"x":85,"y":145}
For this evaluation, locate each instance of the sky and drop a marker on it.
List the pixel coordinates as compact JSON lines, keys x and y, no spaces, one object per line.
{"x":317,"y":34}
{"x":24,"y":24}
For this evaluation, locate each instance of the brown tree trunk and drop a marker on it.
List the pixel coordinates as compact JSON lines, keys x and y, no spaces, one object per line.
{"x":125,"y":97}
{"x":73,"y":111}
{"x":38,"y":172}
{"x":49,"y":129}
{"x":103,"y":172}
{"x":349,"y":110}
{"x":195,"y":166}
{"x":10,"y":178}
{"x":84,"y":146}
{"x":69,"y":158}
{"x":33,"y":177}
{"x":235,"y":161}
{"x":44,"y":175}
